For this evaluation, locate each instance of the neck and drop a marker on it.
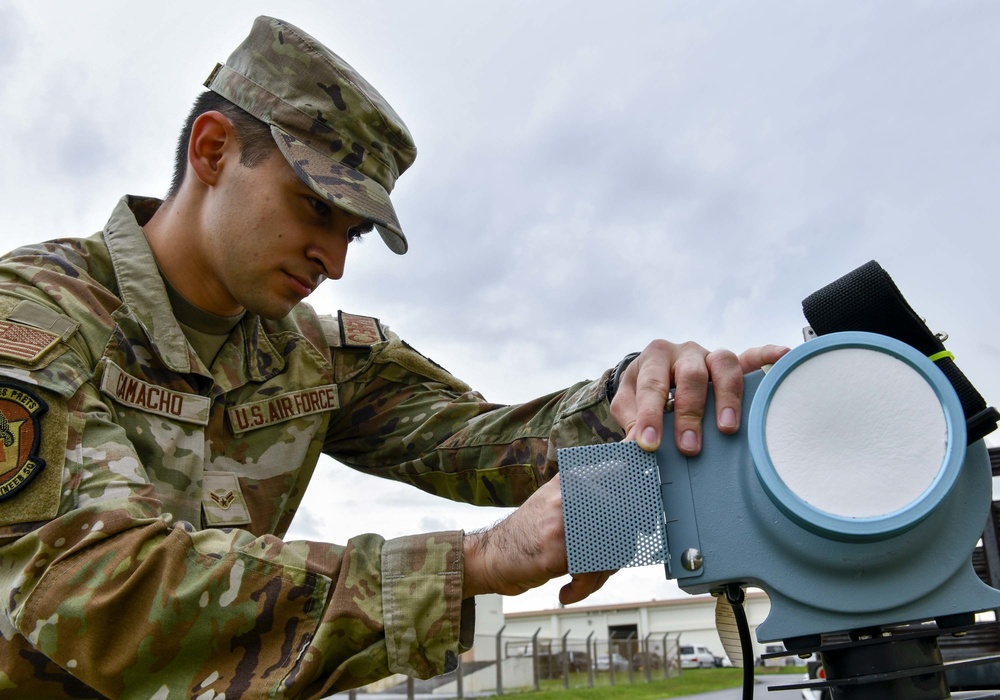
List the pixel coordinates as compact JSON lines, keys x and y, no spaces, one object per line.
{"x":178,"y":240}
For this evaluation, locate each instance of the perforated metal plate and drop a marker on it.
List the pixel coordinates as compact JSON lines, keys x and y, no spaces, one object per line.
{"x":612,"y":510}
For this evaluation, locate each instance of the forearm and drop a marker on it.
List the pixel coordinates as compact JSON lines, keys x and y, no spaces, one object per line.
{"x":523,"y":551}
{"x":458,"y":445}
{"x":121,"y":607}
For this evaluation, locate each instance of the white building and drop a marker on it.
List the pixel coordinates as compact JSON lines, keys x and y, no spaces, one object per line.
{"x":691,"y":618}
{"x":688,"y":620}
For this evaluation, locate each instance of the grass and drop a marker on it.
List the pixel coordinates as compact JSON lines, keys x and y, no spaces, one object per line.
{"x":691,"y":681}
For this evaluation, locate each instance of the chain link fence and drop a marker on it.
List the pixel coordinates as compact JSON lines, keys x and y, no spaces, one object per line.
{"x":537,"y":663}
{"x":590,"y":662}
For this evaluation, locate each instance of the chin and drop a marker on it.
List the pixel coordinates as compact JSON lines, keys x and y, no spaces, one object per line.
{"x":276,"y":314}
{"x":272,"y":310}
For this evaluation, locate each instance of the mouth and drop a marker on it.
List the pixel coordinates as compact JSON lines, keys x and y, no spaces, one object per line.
{"x":301,"y":287}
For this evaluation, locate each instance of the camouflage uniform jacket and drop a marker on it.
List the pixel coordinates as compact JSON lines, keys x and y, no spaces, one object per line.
{"x":145,"y":559}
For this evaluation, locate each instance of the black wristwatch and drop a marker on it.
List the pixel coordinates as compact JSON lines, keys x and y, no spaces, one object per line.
{"x":611,"y":386}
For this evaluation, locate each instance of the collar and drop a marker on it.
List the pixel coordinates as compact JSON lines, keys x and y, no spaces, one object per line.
{"x":144,"y":293}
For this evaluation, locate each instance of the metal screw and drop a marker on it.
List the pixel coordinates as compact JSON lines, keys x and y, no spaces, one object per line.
{"x":692,"y":560}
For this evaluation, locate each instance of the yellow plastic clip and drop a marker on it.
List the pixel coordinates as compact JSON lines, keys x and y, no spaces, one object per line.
{"x":944,"y":354}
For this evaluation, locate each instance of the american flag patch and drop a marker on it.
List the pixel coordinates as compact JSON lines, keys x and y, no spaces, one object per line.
{"x":24,"y":343}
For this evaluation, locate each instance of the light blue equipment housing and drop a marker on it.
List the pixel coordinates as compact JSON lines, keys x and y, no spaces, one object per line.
{"x":823,"y":573}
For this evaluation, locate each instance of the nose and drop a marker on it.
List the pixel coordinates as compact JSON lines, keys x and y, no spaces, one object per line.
{"x":330,"y":254}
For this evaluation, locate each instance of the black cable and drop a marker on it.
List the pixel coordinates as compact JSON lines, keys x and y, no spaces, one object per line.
{"x":735,"y":595}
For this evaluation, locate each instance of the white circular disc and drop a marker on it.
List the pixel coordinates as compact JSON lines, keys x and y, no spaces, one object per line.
{"x":856,"y":433}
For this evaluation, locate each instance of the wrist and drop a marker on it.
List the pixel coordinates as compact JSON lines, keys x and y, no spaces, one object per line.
{"x":473,"y":574}
{"x":615,"y":378}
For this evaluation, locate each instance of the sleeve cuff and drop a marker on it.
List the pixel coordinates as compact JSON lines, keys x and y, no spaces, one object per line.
{"x":467,"y":633}
{"x":586,"y":421}
{"x":425,"y":628}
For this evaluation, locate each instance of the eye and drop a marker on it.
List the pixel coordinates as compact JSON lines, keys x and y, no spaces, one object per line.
{"x":321,"y":208}
{"x":356,"y":232}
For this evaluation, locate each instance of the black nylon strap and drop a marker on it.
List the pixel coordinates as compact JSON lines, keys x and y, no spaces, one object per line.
{"x":868,"y":300}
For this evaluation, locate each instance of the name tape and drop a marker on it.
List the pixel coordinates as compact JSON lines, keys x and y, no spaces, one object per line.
{"x":149,"y":398}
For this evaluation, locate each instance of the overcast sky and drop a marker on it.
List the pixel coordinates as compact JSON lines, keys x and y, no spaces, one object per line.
{"x":591,"y":175}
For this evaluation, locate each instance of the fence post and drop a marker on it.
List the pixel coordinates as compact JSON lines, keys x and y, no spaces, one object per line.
{"x":459,"y":680}
{"x":666,"y":663}
{"x":591,"y":658}
{"x":534,"y":658}
{"x":565,"y":661}
{"x":630,"y":659}
{"x":647,"y":659}
{"x":677,"y":655}
{"x":611,"y":663}
{"x":409,"y":688}
{"x":500,"y":660}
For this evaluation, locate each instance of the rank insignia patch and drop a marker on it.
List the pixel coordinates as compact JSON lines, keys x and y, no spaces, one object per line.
{"x":223,"y":498}
{"x":20,"y":438}
{"x":359,"y":331}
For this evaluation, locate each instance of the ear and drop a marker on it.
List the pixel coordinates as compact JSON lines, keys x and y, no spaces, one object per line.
{"x":213,"y":141}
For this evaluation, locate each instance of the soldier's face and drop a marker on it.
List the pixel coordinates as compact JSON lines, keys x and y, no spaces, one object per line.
{"x":270,"y":239}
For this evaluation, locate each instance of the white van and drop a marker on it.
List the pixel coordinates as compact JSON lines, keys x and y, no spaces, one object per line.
{"x":696,"y":656}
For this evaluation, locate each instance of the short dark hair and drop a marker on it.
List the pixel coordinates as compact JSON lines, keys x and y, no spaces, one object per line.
{"x":256,"y":142}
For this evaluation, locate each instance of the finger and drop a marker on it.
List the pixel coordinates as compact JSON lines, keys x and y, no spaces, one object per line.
{"x":632,"y":432}
{"x":691,"y":378}
{"x":753,"y":359}
{"x":582,"y":585}
{"x":652,"y":389}
{"x":727,"y":385}
{"x":623,"y":407}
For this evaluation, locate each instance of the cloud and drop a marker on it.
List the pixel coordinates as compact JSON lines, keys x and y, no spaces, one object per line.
{"x":308,"y":525}
{"x":587,"y":179}
{"x":10,"y":37}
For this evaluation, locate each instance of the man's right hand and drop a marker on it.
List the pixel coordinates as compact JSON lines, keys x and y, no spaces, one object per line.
{"x":525,"y":550}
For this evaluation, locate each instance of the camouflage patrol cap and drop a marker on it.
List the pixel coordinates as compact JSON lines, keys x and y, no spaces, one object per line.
{"x":337,"y":132}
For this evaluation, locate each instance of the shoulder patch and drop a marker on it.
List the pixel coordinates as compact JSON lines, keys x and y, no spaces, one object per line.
{"x":20,"y":437}
{"x":24,"y":343}
{"x":359,"y":331}
{"x":30,"y":313}
{"x":403,"y":354}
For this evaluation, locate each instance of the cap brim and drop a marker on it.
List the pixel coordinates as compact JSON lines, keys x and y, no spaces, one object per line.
{"x":344,"y":187}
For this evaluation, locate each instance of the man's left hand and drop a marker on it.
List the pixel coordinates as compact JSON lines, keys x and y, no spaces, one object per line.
{"x":688,"y":367}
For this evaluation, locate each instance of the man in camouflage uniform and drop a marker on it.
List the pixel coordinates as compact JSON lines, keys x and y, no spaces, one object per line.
{"x":165,"y":397}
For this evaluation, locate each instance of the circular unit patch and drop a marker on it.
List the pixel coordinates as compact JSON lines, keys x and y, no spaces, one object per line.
{"x":20,"y":437}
